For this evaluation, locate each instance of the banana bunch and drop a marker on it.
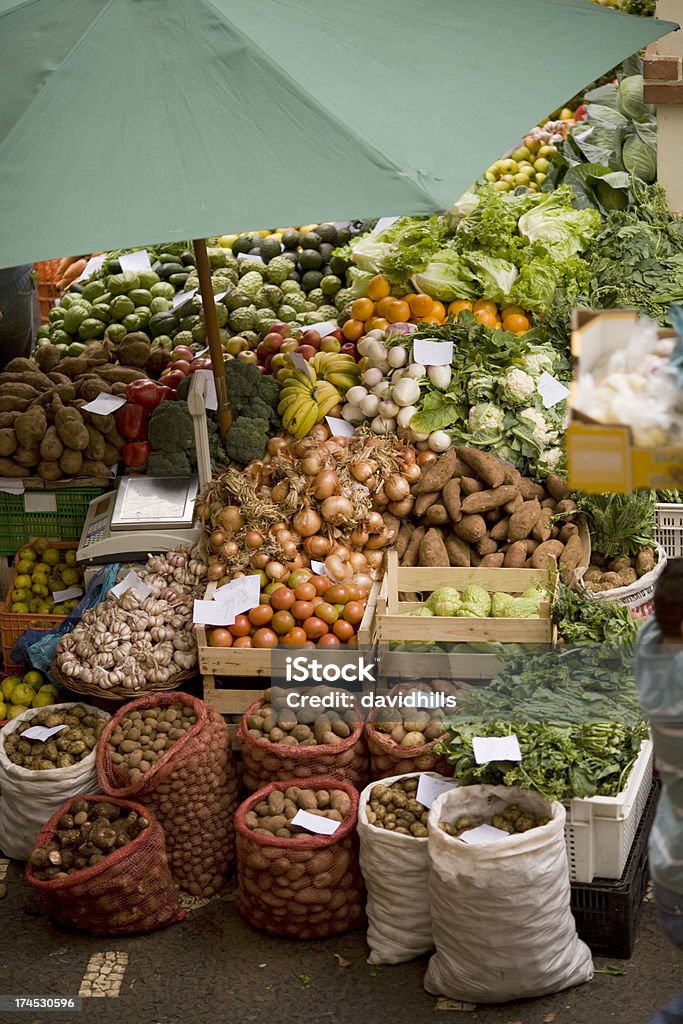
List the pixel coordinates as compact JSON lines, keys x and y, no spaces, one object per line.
{"x":337,"y":368}
{"x":305,"y":399}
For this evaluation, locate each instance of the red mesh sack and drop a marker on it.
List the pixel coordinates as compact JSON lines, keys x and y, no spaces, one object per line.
{"x":129,"y":892}
{"x":264,"y":762}
{"x":388,"y":757}
{"x":192,"y":789}
{"x":305,"y":888}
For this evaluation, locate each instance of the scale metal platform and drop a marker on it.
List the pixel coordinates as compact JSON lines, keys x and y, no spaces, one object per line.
{"x":147,"y":514}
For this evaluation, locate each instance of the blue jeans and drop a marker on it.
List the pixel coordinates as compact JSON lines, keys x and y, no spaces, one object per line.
{"x":20,"y":313}
{"x":670,"y":916}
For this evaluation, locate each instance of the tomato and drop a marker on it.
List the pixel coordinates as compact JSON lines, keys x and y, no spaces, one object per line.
{"x":309,"y":645}
{"x":337,"y":594}
{"x":272,"y":587}
{"x":264,"y":638}
{"x":329,"y":640}
{"x":297,"y":577}
{"x":241,"y":626}
{"x":343,"y":629}
{"x":282,"y":621}
{"x":320,"y":583}
{"x":353,"y":612}
{"x":302,"y":610}
{"x":282,"y":599}
{"x":243,"y":642}
{"x":260,"y":615}
{"x":353,"y":592}
{"x":220,"y":638}
{"x":295,"y":638}
{"x":315,"y":627}
{"x":305,"y":592}
{"x":340,"y":608}
{"x":327,"y":612}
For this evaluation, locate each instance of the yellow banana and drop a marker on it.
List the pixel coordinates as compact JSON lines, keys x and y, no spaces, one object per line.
{"x":295,"y":412}
{"x":305,"y":418}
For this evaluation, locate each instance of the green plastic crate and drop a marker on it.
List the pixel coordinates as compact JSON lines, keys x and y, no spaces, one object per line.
{"x":17,"y":527}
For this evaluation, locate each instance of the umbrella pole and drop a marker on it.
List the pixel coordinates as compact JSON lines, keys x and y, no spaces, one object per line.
{"x":212,"y":335}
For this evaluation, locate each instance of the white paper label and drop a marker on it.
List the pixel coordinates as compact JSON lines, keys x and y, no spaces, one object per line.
{"x":483,"y":834}
{"x":205,"y":350}
{"x":66,"y":595}
{"x":299,"y":363}
{"x":131,"y":582}
{"x":212,"y":613}
{"x":432,"y":353}
{"x":383,"y":223}
{"x":39,"y":501}
{"x":132,"y":261}
{"x":210,"y":398}
{"x":323,"y":328}
{"x":340,"y":428}
{"x":182,"y":298}
{"x":41,"y":732}
{"x":496,"y":748}
{"x":249,"y":256}
{"x":428,"y":789}
{"x":11,"y":485}
{"x":240,"y":595}
{"x":315,"y":823}
{"x":94,"y":264}
{"x":220,"y":295}
{"x":318,"y":567}
{"x":551,"y":390}
{"x":105,"y":404}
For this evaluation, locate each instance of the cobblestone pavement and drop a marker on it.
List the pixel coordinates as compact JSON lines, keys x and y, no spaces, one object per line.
{"x":214,"y":969}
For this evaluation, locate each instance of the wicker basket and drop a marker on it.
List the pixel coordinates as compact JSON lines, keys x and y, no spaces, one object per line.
{"x":117,"y":694}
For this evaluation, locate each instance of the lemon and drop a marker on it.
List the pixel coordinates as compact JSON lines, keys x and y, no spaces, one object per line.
{"x":34,"y":679}
{"x":42,"y":700}
{"x":3,"y":711}
{"x":15,"y":711}
{"x":22,"y":582}
{"x":8,"y":685}
{"x":22,"y":694}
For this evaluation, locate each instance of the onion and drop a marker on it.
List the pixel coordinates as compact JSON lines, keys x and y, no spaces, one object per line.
{"x":374,"y":523}
{"x":276,"y":570}
{"x":325,"y":484}
{"x":361,"y":471}
{"x":396,"y":487}
{"x":215,"y":571}
{"x":426,"y":458}
{"x":337,"y":510}
{"x":259,"y":559}
{"x":317,"y":546}
{"x":304,"y":446}
{"x":320,"y":432}
{"x":229,"y":549}
{"x":377,"y":540}
{"x":358,"y":561}
{"x":278,"y":446}
{"x":253,"y":539}
{"x":334,"y":447}
{"x":359,"y":537}
{"x":311,"y":465}
{"x":217,"y":540}
{"x":336,"y":570}
{"x":231,"y":518}
{"x":289,"y":550}
{"x":342,"y":550}
{"x":277,"y":528}
{"x":382,"y":426}
{"x":307,"y":522}
{"x":412,"y":473}
{"x":374,"y":558}
{"x":296,"y":563}
{"x":402,"y":508}
{"x":372,"y":483}
{"x":363,"y":581}
{"x":379,"y":498}
{"x":280,"y":491}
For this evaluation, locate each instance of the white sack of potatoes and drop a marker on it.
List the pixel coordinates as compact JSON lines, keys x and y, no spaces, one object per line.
{"x":502,"y":924}
{"x":29,"y":798}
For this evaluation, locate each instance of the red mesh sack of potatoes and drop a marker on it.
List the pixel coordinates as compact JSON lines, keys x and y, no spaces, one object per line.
{"x":130,"y":891}
{"x":190,"y":785}
{"x":303,"y":886}
{"x":344,"y":758}
{"x":402,"y":739}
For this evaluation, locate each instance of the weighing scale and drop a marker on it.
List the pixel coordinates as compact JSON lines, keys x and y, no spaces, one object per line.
{"x":148,"y":514}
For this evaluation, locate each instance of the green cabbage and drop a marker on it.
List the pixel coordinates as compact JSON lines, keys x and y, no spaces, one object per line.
{"x":560,"y":230}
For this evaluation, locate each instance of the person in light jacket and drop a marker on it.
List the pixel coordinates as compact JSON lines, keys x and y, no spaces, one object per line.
{"x":659,"y":678}
{"x":19,"y":312}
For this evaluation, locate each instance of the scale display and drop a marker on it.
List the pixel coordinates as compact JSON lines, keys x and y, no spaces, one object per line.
{"x":151,"y":502}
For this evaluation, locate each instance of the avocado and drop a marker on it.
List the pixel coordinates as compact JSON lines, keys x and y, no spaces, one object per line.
{"x":327,"y":232}
{"x":326,"y":251}
{"x":343,"y":235}
{"x":311,"y":280}
{"x":294,"y":276}
{"x":241,"y":244}
{"x":338,"y":266}
{"x":310,"y":259}
{"x":187,"y":258}
{"x":311,"y":240}
{"x":270,"y":248}
{"x":291,"y":238}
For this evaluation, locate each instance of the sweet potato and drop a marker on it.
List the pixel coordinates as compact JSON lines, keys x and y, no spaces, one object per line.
{"x":475,"y":558}
{"x":59,"y":378}
{"x":468,"y":485}
{"x":515,"y":556}
{"x":111,"y":454}
{"x":34,"y":377}
{"x":423,"y":502}
{"x":66,"y":393}
{"x":92,"y":387}
{"x":470,"y":528}
{"x":499,"y":532}
{"x":543,"y":530}
{"x":30,"y":428}
{"x":531,"y":545}
{"x":437,"y":515}
{"x":8,"y":441}
{"x":8,"y":403}
{"x":51,"y":447}
{"x":70,"y":462}
{"x":523,"y":520}
{"x":570,"y":530}
{"x":487,"y":500}
{"x":565,"y":506}
{"x":119,"y":388}
{"x":487,"y":546}
{"x":412,"y":551}
{"x":493,"y":561}
{"x":47,"y":357}
{"x":433,"y":550}
{"x":486,"y":466}
{"x":8,"y":467}
{"x":124,"y":374}
{"x":49,"y":470}
{"x":549,"y":503}
{"x":392,"y":523}
{"x":403,"y":539}
{"x":494,"y":515}
{"x":450,"y":496}
{"x":556,"y":486}
{"x":458,"y":550}
{"x":512,"y":475}
{"x":96,"y":445}
{"x":19,"y":391}
{"x":7,"y":418}
{"x":512,"y":506}
{"x":570,"y":559}
{"x":437,"y":474}
{"x":529,"y":490}
{"x":546,"y":553}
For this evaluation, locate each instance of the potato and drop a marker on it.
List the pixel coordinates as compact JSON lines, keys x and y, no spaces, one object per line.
{"x":645,"y":561}
{"x":413,"y":739}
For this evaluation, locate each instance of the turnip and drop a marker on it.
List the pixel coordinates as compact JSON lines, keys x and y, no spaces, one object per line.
{"x":440,"y":376}
{"x":439,"y":441}
{"x":406,"y":391}
{"x":376,"y":351}
{"x":369,"y":405}
{"x":415,"y":370}
{"x":383,"y":389}
{"x":397,"y":357}
{"x":363,"y":345}
{"x":355,"y":394}
{"x":405,"y":415}
{"x":352,"y":414}
{"x":372,"y":377}
{"x":382,"y":426}
{"x":388,"y":410}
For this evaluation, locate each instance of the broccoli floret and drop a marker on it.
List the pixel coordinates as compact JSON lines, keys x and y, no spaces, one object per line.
{"x":269,"y":390}
{"x":259,"y":410}
{"x":171,"y":428}
{"x":243,"y":380}
{"x":247,"y":439}
{"x":168,"y":464}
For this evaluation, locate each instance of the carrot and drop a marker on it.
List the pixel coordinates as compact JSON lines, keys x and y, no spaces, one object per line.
{"x":74,"y":271}
{"x":64,"y":263}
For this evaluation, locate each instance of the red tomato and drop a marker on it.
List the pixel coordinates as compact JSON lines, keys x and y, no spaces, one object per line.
{"x":305,"y":592}
{"x":282,"y":622}
{"x":261,"y":615}
{"x":315,"y":627}
{"x":327,"y":612}
{"x":243,"y":642}
{"x":353,"y":612}
{"x":320,"y":583}
{"x":295,"y":638}
{"x":241,"y":626}
{"x":220,"y":638}
{"x":282,"y":599}
{"x":343,"y":629}
{"x":302,"y":610}
{"x":264,"y":638}
{"x":337,"y":594}
{"x":329,"y":640}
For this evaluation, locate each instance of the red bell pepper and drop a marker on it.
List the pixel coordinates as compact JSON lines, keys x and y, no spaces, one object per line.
{"x":169,"y":394}
{"x":144,"y":392}
{"x":136,"y":453}
{"x":131,"y":421}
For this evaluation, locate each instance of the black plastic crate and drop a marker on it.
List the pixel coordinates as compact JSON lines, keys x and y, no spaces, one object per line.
{"x":606,"y":912}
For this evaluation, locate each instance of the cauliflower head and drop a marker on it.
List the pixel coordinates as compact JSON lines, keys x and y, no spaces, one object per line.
{"x":518,"y":386}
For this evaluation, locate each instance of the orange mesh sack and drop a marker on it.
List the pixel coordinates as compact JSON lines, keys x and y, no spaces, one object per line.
{"x":304,"y":886}
{"x":388,"y":755}
{"x":191,"y":787}
{"x":129,"y":892}
{"x":264,"y":761}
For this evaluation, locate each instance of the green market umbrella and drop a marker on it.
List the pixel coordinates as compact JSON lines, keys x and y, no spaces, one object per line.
{"x":127,"y":121}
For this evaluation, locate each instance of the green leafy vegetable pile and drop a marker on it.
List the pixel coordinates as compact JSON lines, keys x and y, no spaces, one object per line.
{"x":583,"y":620}
{"x":619,"y":524}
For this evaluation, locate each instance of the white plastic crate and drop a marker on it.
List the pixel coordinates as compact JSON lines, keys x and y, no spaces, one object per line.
{"x":599,"y":830}
{"x":669,"y":529}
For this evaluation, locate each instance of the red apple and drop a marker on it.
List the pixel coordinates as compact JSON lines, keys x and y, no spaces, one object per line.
{"x":311,"y":338}
{"x":200,"y":363}
{"x":172,"y":378}
{"x":268,"y":362}
{"x":349,"y":349}
{"x":306,"y":352}
{"x":182,"y":352}
{"x":273,"y":341}
{"x":261,"y":352}
{"x":182,"y":364}
{"x":281,"y":328}
{"x":337,"y":333}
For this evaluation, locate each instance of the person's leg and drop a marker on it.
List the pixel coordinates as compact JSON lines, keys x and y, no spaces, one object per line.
{"x":20,"y":318}
{"x":670,"y":916}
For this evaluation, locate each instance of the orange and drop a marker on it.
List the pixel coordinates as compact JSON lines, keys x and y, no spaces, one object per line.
{"x":516,"y":322}
{"x":420,"y":305}
{"x":407,"y":298}
{"x":486,"y":317}
{"x":437,"y":321}
{"x":457,"y":307}
{"x":376,"y":323}
{"x":482,"y":305}
{"x":398,"y":312}
{"x":438,"y":311}
{"x":383,"y":305}
{"x":379,"y":287}
{"x":511,"y":309}
{"x":353,"y":330}
{"x":361,"y":309}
